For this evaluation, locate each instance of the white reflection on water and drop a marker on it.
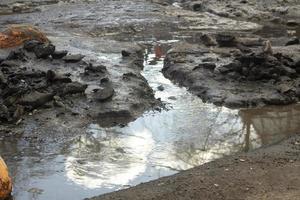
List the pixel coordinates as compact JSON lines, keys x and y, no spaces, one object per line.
{"x":189,"y":134}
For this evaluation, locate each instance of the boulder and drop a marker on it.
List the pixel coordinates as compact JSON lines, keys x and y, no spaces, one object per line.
{"x":44,"y":50}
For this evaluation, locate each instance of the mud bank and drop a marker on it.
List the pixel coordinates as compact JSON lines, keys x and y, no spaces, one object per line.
{"x":269,"y":173}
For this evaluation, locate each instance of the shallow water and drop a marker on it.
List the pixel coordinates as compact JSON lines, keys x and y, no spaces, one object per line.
{"x":186,"y":134}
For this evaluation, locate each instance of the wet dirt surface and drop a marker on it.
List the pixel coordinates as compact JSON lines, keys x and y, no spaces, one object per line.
{"x":96,"y":148}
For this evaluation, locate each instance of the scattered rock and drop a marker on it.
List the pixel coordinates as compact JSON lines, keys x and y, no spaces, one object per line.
{"x":74,"y":88}
{"x":31,"y":45}
{"x":208,"y":40}
{"x":226,"y":40}
{"x":59,"y":54}
{"x":35,"y":99}
{"x":125,"y":53}
{"x":73,"y":58}
{"x":293,"y":41}
{"x":44,"y":50}
{"x":161,"y":88}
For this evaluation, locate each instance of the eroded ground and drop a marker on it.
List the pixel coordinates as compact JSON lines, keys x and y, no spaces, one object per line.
{"x":67,"y":124}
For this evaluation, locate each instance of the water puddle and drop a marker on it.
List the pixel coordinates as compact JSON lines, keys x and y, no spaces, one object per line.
{"x":186,"y":134}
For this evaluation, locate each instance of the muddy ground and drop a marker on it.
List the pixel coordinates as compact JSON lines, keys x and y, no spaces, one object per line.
{"x":231,"y":53}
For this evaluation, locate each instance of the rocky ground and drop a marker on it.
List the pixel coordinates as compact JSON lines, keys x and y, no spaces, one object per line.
{"x":243,"y":54}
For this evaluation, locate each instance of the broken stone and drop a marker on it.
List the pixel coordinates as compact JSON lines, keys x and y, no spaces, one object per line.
{"x":44,"y":50}
{"x":31,"y":44}
{"x":125,"y":53}
{"x":104,"y":94}
{"x":59,"y":54}
{"x":73,"y":58}
{"x":226,"y":40}
{"x":35,"y":99}
{"x":293,"y":41}
{"x":161,"y":88}
{"x":208,"y":40}
{"x":74,"y":88}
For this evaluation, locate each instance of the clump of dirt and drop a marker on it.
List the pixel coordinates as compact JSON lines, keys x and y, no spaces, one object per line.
{"x":237,"y":72}
{"x":24,"y":90}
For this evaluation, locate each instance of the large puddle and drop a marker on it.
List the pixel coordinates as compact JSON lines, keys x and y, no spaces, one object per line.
{"x":186,"y":134}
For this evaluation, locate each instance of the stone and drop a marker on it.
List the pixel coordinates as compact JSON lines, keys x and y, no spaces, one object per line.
{"x":125,"y":53}
{"x":31,"y":44}
{"x":59,"y":54}
{"x":206,"y":65}
{"x":161,"y":88}
{"x":44,"y":50}
{"x":51,"y":77}
{"x":208,"y":40}
{"x":104,"y":94}
{"x":226,"y":40}
{"x":73,"y":58}
{"x":292,"y":23}
{"x":35,"y":99}
{"x":293,"y":41}
{"x":74,"y":88}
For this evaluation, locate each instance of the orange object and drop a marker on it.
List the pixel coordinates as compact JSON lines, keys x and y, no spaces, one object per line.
{"x":16,"y":35}
{"x":5,"y":181}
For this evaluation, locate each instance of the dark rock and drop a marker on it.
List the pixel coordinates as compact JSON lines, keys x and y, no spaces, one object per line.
{"x":74,"y":88}
{"x":197,"y":6}
{"x":10,"y":63}
{"x":44,"y":50}
{"x":59,"y":54}
{"x":51,"y":76}
{"x":95,"y":69}
{"x":104,"y":94}
{"x":31,"y":44}
{"x":293,"y":41}
{"x":17,"y":55}
{"x":73,"y":58}
{"x":234,"y":66}
{"x":292,"y":23}
{"x":161,"y":88}
{"x":4,"y":113}
{"x":208,"y":40}
{"x":35,"y":99}
{"x":226,"y":40}
{"x":125,"y":53}
{"x":210,"y":66}
{"x":234,"y":102}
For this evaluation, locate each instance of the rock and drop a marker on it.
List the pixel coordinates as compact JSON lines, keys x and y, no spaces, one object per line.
{"x":197,"y":6}
{"x":51,"y":77}
{"x":234,"y":102}
{"x":206,"y":65}
{"x":35,"y":99}
{"x":293,"y":41}
{"x":208,"y":40}
{"x":292,"y":23}
{"x":125,"y":53}
{"x":161,"y":88}
{"x":234,"y":66}
{"x":59,"y":54}
{"x":2,"y":78}
{"x":17,"y":55}
{"x":95,"y":69}
{"x":104,"y":94}
{"x":44,"y":50}
{"x":226,"y":40}
{"x":31,"y":44}
{"x":73,"y":58}
{"x":74,"y":88}
{"x":4,"y":113}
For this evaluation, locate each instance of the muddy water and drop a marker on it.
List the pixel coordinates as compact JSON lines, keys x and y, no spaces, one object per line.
{"x":186,"y":134}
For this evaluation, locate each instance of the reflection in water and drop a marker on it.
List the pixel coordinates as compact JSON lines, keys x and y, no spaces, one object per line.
{"x":187,"y":134}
